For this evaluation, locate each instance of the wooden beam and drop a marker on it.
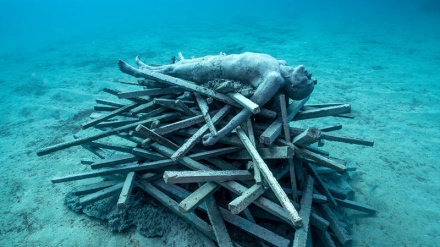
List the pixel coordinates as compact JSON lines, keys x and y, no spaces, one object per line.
{"x":323,"y":112}
{"x":99,"y":195}
{"x":175,"y":177}
{"x":274,"y":130}
{"x":197,"y":197}
{"x":320,"y":160}
{"x":309,"y":136}
{"x":83,"y":140}
{"x":109,"y":103}
{"x":240,"y":203}
{"x":284,"y":152}
{"x":91,"y":188}
{"x":183,"y":124}
{"x":191,"y":218}
{"x":273,"y":183}
{"x":356,"y":206}
{"x":345,"y":139}
{"x":126,"y":190}
{"x":146,"y":132}
{"x":184,"y":84}
{"x":245,"y":102}
{"x":248,"y":226}
{"x":254,"y":229}
{"x":321,"y":186}
{"x":184,"y":108}
{"x":203,"y":105}
{"x":150,"y":92}
{"x":250,"y":131}
{"x":147,"y":154}
{"x":140,"y":167}
{"x":336,"y":226}
{"x":285,"y":121}
{"x":233,"y":186}
{"x":108,"y":116}
{"x":301,"y":234}
{"x":116,"y":160}
{"x":217,"y":223}
{"x":199,"y":134}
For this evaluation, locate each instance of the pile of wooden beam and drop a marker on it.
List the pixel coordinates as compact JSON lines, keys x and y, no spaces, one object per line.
{"x":266,"y":179}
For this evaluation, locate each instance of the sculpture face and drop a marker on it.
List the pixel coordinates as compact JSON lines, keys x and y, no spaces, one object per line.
{"x":299,"y":84}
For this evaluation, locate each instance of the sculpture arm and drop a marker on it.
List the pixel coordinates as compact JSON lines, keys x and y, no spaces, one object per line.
{"x":264,"y":92}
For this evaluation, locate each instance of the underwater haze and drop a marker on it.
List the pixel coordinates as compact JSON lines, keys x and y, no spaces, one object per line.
{"x":382,"y":57}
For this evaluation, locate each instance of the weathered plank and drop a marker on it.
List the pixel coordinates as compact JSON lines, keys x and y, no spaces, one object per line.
{"x":199,"y":134}
{"x":116,"y":160}
{"x":99,"y":195}
{"x":250,"y":131}
{"x":175,"y":177}
{"x":284,"y":152}
{"x":108,"y":116}
{"x":245,"y":102}
{"x":356,"y":206}
{"x":126,"y":190}
{"x":140,"y":167}
{"x":273,"y":183}
{"x":254,"y":229}
{"x":150,"y":92}
{"x":233,"y":186}
{"x":274,"y":130}
{"x":346,"y":139}
{"x":301,"y":234}
{"x":83,"y":140}
{"x":339,"y":231}
{"x":184,"y":84}
{"x":191,"y":218}
{"x":197,"y":197}
{"x":203,"y":105}
{"x":91,"y":188}
{"x":146,"y":132}
{"x":240,"y":203}
{"x":309,"y":136}
{"x":323,"y":112}
{"x":217,"y":223}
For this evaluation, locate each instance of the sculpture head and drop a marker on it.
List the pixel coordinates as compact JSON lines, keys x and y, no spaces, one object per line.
{"x":298,"y":82}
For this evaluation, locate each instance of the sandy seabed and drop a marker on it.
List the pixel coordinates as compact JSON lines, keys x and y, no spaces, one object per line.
{"x":388,"y":73}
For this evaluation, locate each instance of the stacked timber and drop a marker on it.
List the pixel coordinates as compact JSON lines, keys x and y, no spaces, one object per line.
{"x":264,"y":176}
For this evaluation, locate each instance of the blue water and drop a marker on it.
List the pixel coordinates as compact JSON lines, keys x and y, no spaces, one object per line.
{"x":383,"y":57}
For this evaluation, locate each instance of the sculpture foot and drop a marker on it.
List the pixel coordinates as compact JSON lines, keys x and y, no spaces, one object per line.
{"x":128,"y":69}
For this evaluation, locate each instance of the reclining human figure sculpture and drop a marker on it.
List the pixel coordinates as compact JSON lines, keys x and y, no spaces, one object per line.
{"x":261,"y":71}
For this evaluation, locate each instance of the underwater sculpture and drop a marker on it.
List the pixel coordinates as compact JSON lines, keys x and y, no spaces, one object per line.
{"x":261,"y":71}
{"x":156,"y":145}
